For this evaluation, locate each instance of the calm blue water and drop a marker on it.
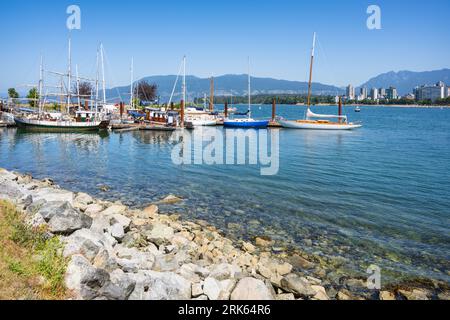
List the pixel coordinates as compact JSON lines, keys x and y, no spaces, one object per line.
{"x":379,"y":195}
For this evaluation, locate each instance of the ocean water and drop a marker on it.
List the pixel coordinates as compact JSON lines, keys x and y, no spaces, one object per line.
{"x":378,"y":195}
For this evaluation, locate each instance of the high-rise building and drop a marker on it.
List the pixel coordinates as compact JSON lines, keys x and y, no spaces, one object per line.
{"x":432,"y":93}
{"x":382,"y":92}
{"x":391,"y":93}
{"x":363,"y":93}
{"x":374,"y":94}
{"x":350,"y":92}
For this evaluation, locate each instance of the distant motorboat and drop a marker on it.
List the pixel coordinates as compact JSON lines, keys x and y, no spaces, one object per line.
{"x":357,"y":109}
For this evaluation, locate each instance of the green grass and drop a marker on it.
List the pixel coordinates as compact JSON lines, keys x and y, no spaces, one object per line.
{"x":31,"y":263}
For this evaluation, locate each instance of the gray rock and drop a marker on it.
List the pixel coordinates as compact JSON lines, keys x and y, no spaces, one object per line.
{"x":120,"y":287}
{"x":133,"y":260}
{"x":53,"y":208}
{"x":54,"y":195}
{"x":85,"y":280}
{"x":225,"y":271}
{"x":160,"y":234}
{"x":212,"y":288}
{"x":35,"y":206}
{"x":87,"y":243}
{"x":297,"y":285}
{"x":152,"y":285}
{"x":122,"y":220}
{"x":93,"y":209}
{"x":114,"y":209}
{"x":251,"y":289}
{"x":117,"y":231}
{"x":67,"y":221}
{"x":197,"y":290}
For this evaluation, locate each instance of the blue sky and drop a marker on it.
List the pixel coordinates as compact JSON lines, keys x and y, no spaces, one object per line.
{"x":217,"y":37}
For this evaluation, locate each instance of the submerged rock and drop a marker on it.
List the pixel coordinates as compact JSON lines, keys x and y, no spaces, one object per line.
{"x":297,"y":285}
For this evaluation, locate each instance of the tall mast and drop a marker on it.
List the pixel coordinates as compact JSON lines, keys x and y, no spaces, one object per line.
{"x":184,"y":80}
{"x":69,"y":73}
{"x":249,"y":91}
{"x":311,"y":70}
{"x":103,"y":74}
{"x":131,"y":83}
{"x":41,"y":82}
{"x":78,"y":87}
{"x":96,"y":87}
{"x":204,"y":101}
{"x":211,"y":96}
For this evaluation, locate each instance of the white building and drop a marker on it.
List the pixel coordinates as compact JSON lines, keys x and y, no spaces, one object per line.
{"x":374,"y":94}
{"x":433,"y":93}
{"x":391,"y":93}
{"x":350,"y":92}
{"x":363,"y":93}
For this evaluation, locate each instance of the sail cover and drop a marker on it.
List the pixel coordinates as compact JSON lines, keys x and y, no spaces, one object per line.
{"x":310,"y":114}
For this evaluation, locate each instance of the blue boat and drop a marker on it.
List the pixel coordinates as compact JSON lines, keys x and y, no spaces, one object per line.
{"x":246,"y":122}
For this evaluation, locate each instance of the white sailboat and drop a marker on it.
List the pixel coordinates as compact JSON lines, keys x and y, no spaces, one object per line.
{"x":315,"y":121}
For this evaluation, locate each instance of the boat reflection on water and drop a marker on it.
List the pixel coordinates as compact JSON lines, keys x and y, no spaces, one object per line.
{"x":152,"y":137}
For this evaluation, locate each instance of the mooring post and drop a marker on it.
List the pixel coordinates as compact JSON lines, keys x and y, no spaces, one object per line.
{"x":171,"y":106}
{"x":274,"y":109}
{"x":226,"y":109}
{"x":340,"y":109}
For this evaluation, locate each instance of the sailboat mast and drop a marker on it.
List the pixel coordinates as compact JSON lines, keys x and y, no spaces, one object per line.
{"x":131,"y":83}
{"x":78,"y":87}
{"x":211,"y":94}
{"x":249,"y":91}
{"x":103,"y":74}
{"x":311,"y":70}
{"x":41,"y":81}
{"x":96,"y":87}
{"x":69,"y":74}
{"x":184,"y":80}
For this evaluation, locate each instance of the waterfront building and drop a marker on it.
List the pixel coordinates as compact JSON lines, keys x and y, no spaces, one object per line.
{"x":363,"y":93}
{"x":374,"y":94}
{"x":391,"y":93}
{"x":382,"y":93}
{"x":350,"y":92}
{"x":432,"y":93}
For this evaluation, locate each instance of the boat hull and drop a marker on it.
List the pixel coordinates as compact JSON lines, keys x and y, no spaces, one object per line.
{"x":258,"y":124}
{"x":203,"y":123}
{"x":60,"y":126}
{"x":317,"y":126}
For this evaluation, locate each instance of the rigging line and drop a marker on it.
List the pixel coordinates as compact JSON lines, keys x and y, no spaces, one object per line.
{"x":328,"y":65}
{"x":113,"y":82}
{"x":176,"y":82}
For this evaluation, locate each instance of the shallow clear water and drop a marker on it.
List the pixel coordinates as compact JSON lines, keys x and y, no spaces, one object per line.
{"x":379,"y":195}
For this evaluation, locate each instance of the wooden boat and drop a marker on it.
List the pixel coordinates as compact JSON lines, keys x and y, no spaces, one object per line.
{"x":313,"y":121}
{"x":63,"y":121}
{"x":246,"y":122}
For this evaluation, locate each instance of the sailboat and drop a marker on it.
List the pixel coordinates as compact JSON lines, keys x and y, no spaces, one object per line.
{"x":315,"y":121}
{"x":247,"y":122}
{"x":42,"y":121}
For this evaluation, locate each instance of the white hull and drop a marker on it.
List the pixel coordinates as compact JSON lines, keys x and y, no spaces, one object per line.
{"x":317,"y":126}
{"x":202,"y":123}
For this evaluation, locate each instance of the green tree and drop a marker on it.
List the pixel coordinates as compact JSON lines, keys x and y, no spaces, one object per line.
{"x":33,"y":96}
{"x":12,"y":93}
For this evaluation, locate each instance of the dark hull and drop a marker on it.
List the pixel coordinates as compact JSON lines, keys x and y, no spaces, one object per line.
{"x":55,"y":128}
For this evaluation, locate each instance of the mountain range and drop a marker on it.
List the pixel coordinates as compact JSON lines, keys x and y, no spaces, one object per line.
{"x":226,"y":85}
{"x":405,"y":81}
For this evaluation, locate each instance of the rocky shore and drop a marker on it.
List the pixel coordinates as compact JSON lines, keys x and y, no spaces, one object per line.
{"x":118,"y":253}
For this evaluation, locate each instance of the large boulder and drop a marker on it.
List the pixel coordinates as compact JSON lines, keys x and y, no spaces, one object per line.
{"x":218,"y":290}
{"x":62,"y":218}
{"x":87,"y":243}
{"x":84,"y":280}
{"x":159,"y":234}
{"x":251,"y":289}
{"x":120,"y":287}
{"x":133,"y":260}
{"x":225,"y":271}
{"x":297,"y":285}
{"x":114,"y":209}
{"x":54,"y":195}
{"x":152,"y":285}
